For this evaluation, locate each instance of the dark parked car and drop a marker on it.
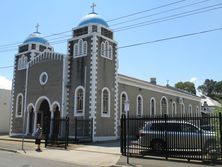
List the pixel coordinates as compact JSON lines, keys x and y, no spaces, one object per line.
{"x":175,"y":135}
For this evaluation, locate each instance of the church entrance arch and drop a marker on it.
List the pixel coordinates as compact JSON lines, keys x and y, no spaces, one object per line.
{"x":31,"y":120}
{"x":44,"y":115}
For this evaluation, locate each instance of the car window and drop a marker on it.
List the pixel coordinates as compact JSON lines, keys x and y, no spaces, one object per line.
{"x":157,"y":126}
{"x":173,"y":127}
{"x":188,"y":128}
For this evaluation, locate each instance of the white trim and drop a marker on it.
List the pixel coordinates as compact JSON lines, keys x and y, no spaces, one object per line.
{"x":137,"y":112}
{"x":121,"y":103}
{"x":174,"y":113}
{"x":161,"y":112}
{"x":109,"y":101}
{"x":105,"y":138}
{"x":75,"y":102}
{"x":152,"y":98}
{"x":64,"y":90}
{"x":40,"y":99}
{"x":22,"y":105}
{"x":55,"y":103}
{"x":148,"y":86}
{"x":41,"y":77}
{"x":93,"y":84}
{"x":28,"y":118}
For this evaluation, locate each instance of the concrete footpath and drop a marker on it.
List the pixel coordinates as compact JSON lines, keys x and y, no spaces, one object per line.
{"x":96,"y":154}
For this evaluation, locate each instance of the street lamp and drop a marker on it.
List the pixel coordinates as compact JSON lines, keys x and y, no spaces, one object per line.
{"x":126,"y":108}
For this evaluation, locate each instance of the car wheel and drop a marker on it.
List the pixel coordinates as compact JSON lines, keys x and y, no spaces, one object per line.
{"x":209,"y":147}
{"x":157,"y":145}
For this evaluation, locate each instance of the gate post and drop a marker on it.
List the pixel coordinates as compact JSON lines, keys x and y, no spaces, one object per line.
{"x":220,"y":127}
{"x":123,"y":134}
{"x":166,"y":137}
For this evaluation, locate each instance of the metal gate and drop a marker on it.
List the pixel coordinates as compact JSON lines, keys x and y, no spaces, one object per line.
{"x":185,"y":136}
{"x":57,"y":134}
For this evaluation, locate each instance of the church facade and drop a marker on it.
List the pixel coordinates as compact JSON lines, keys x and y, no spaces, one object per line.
{"x":85,"y":83}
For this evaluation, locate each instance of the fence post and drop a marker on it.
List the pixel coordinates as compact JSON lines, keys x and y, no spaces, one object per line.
{"x":220,"y":125}
{"x":121,"y":134}
{"x":75,"y":129}
{"x":124,"y":133}
{"x":166,"y":138}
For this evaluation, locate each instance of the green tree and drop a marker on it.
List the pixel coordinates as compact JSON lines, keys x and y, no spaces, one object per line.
{"x":218,"y":87}
{"x":187,"y":86}
{"x":208,"y":87}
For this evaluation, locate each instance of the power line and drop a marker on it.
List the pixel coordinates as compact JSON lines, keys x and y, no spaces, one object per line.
{"x":6,"y":67}
{"x":159,"y":40}
{"x":170,"y":38}
{"x":158,"y":13}
{"x":171,"y":17}
{"x":64,"y":32}
{"x":141,"y":24}
{"x":136,"y":13}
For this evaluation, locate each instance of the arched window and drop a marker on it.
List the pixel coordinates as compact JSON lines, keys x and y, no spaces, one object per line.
{"x":106,"y":49}
{"x":182,"y":109}
{"x":79,"y":105}
{"x":85,"y":48}
{"x":152,"y":106}
{"x":102,"y":49}
{"x":110,"y":52}
{"x":75,"y":50}
{"x":22,"y":62}
{"x":80,"y":47}
{"x":139,"y":105}
{"x":163,"y":106}
{"x":105,"y":103}
{"x":190,"y":109}
{"x":197,"y":109}
{"x":123,"y":99}
{"x":174,"y":111}
{"x":19,"y":105}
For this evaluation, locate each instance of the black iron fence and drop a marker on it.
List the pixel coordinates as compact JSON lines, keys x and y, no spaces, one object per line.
{"x":82,"y":130}
{"x":187,"y":136}
{"x":57,"y":133}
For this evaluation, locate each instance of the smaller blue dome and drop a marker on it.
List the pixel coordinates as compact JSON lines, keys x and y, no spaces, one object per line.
{"x":35,"y":38}
{"x":93,"y":18}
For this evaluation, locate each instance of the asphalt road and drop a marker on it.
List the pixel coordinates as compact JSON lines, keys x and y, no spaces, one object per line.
{"x":8,"y":159}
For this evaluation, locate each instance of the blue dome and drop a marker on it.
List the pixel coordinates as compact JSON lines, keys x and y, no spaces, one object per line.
{"x":35,"y":38}
{"x":93,"y":18}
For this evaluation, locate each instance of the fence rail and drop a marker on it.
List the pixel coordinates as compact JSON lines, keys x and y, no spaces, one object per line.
{"x":187,"y":136}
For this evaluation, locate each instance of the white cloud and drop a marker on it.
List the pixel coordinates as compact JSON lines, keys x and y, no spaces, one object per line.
{"x":193,"y":79}
{"x":5,"y":83}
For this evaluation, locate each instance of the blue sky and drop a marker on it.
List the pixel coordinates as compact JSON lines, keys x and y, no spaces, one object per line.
{"x":192,"y":58}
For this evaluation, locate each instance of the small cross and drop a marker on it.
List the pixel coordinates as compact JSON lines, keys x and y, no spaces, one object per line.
{"x":93,"y":7}
{"x":37,"y":27}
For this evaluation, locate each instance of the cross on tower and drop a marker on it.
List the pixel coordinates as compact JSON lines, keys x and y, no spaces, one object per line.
{"x":37,"y":27}
{"x":93,"y":7}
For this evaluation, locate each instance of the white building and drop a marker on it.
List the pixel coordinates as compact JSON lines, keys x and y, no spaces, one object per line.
{"x":208,"y":104}
{"x":5,"y":96}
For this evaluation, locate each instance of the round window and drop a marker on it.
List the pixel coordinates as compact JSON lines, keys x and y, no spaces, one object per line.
{"x":43,"y":78}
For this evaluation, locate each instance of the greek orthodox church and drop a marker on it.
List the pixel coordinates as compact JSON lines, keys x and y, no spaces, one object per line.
{"x":85,"y":83}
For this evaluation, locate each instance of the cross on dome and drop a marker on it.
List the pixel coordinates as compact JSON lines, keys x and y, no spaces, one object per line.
{"x":93,"y":7}
{"x":37,"y":27}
